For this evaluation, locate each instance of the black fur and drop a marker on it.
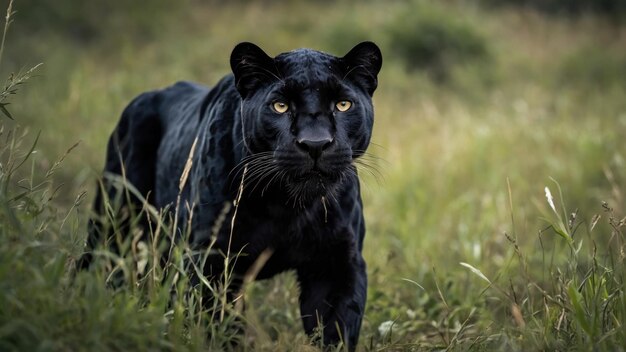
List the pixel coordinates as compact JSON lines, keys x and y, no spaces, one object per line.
{"x":301,"y":195}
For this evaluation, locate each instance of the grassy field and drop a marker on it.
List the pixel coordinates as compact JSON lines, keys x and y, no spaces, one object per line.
{"x":480,"y":113}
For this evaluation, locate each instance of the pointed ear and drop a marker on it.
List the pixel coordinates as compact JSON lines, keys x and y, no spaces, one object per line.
{"x":362,"y":65}
{"x":251,"y":67}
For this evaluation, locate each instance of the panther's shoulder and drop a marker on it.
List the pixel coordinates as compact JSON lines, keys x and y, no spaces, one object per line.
{"x":182,"y":89}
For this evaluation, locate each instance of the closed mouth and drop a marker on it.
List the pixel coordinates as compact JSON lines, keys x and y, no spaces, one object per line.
{"x":315,"y":173}
{"x":311,"y":183}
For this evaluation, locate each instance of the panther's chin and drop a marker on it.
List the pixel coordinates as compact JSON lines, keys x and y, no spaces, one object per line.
{"x":311,"y":185}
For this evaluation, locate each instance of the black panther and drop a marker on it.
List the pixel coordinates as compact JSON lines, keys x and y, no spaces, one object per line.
{"x":287,"y":131}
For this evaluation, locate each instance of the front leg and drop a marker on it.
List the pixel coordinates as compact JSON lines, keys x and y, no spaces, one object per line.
{"x":333,"y":291}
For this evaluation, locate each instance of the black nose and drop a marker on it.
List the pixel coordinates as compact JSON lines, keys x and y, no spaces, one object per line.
{"x":314,"y":147}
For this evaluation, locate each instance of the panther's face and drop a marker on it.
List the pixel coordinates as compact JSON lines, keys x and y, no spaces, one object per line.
{"x":306,"y":115}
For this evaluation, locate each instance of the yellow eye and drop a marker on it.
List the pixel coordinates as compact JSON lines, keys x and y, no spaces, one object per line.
{"x":280,"y":107}
{"x":343,"y":105}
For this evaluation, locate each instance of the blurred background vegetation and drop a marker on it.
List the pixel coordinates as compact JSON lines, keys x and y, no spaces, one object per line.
{"x":480,"y":106}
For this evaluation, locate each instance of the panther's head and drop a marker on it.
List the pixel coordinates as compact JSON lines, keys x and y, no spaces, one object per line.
{"x":306,"y":115}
